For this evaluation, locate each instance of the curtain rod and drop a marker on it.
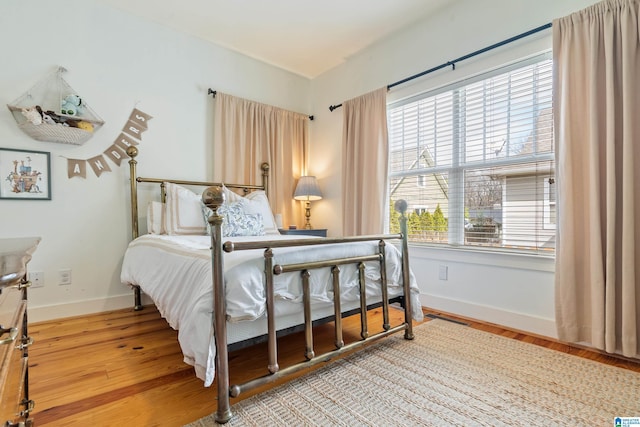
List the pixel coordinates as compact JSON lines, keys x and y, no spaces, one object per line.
{"x":215,"y":92}
{"x":452,"y":63}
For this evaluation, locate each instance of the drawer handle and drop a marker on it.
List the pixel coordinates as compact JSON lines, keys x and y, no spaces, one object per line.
{"x":13,"y":334}
{"x":25,"y":285}
{"x":22,"y":285}
{"x":26,"y":342}
{"x":29,"y":405}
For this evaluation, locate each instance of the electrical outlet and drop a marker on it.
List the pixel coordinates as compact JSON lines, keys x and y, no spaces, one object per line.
{"x":64,"y":277}
{"x":36,"y":278}
{"x":443,"y":272}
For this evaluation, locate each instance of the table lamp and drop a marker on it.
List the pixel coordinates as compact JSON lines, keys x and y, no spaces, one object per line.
{"x":307,"y":190}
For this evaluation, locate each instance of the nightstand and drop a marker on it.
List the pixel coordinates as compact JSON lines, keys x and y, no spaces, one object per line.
{"x":320,"y":232}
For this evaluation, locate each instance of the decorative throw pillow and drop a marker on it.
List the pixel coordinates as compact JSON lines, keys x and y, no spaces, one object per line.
{"x":183,"y":211}
{"x":257,"y":203}
{"x":236,"y":221}
{"x":155,"y":218}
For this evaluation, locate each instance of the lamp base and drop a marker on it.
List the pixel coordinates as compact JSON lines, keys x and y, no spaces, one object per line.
{"x":307,"y":214}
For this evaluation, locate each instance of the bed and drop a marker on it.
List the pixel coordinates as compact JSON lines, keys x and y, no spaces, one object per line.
{"x":221,"y":275}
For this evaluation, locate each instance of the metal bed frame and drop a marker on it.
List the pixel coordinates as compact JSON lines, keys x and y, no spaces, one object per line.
{"x":213,"y":197}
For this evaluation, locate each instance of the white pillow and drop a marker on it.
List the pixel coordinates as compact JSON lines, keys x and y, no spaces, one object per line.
{"x":230,"y":196}
{"x":257,"y":204}
{"x":183,"y":211}
{"x":155,"y":218}
{"x":236,"y":222}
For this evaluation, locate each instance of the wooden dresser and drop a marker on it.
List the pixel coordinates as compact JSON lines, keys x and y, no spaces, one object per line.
{"x":15,"y":405}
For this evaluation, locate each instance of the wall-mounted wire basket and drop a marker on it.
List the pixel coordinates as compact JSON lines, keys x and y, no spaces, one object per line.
{"x":48,"y":94}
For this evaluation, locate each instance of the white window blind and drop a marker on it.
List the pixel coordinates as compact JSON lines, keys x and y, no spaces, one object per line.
{"x":475,"y":163}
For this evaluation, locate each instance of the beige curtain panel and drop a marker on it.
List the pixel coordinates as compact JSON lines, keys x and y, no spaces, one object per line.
{"x":248,"y":133}
{"x":365,"y":154}
{"x":597,"y":124}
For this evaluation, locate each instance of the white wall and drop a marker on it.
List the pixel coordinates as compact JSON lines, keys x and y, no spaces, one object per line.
{"x":114,"y":61}
{"x":506,"y":289}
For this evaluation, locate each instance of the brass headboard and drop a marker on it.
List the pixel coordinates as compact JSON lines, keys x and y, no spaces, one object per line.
{"x":132,"y":152}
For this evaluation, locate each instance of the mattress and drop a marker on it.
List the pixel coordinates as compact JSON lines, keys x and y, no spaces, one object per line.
{"x":175,"y":271}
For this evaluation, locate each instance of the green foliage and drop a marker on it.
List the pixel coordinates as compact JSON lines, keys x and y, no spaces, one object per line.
{"x":394,"y":219}
{"x":413,"y":224}
{"x":426,"y":220}
{"x":440,"y":223}
{"x":424,"y":227}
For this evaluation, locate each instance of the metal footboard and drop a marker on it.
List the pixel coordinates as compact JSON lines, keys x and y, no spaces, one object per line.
{"x":213,"y":197}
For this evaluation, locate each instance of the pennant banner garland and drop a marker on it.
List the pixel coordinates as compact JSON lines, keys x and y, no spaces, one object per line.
{"x":76,"y":167}
{"x":131,"y":135}
{"x":99,"y":165}
{"x":134,"y":129}
{"x":139,"y":118}
{"x":124,"y":141}
{"x":115,"y":154}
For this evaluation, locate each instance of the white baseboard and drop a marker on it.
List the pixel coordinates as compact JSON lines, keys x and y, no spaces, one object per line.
{"x":519,"y":321}
{"x":81,"y":308}
{"x":509,"y":319}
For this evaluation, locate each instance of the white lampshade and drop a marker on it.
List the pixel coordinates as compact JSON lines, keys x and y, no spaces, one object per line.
{"x":307,"y":189}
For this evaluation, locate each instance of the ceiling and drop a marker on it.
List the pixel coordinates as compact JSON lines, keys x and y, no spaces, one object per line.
{"x":306,"y":37}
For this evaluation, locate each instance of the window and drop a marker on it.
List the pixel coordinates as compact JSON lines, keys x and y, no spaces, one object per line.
{"x":480,"y":154}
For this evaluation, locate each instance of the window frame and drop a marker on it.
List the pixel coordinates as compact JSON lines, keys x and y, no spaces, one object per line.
{"x":455,"y":172}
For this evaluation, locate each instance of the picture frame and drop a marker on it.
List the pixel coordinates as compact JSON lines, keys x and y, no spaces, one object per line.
{"x":25,"y":174}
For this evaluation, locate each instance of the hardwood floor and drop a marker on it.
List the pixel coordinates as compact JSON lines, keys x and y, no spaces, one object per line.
{"x":125,"y":368}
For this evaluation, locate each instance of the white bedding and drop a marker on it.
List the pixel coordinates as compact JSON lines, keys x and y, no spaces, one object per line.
{"x":175,"y":271}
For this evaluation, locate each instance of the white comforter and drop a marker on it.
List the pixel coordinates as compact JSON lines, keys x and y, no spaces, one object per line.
{"x":175,"y":271}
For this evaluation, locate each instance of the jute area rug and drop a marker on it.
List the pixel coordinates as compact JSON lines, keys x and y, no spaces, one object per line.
{"x":450,"y":375}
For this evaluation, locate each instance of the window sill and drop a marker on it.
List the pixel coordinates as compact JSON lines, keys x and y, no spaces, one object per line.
{"x":498,"y":258}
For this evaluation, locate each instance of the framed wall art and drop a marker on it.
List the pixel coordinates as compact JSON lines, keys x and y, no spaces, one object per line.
{"x":25,"y":174}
